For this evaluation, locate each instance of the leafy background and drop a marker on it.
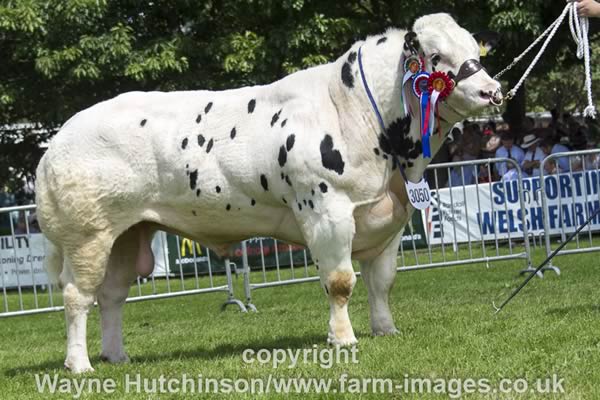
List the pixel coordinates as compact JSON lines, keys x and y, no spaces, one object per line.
{"x":59,"y":57}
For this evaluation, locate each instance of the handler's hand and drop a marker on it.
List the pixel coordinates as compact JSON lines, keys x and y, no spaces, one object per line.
{"x":587,"y":8}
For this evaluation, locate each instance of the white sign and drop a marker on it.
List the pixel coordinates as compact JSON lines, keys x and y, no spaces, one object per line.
{"x":494,"y":211}
{"x":19,"y":257}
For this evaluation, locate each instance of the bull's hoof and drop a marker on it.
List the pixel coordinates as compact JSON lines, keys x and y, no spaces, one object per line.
{"x":386,"y":332}
{"x":78,"y":367}
{"x":114,"y":358}
{"x":341,"y":342}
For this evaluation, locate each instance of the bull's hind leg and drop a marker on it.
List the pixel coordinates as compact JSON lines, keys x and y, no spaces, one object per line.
{"x":120,"y":273}
{"x":379,"y":274}
{"x":328,"y":231}
{"x":82,"y":275}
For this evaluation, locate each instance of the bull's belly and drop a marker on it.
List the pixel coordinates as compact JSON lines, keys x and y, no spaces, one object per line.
{"x":376,"y":225}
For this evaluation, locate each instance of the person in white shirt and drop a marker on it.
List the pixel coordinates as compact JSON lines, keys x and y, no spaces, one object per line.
{"x":534,"y":155}
{"x":548,"y":147}
{"x":508,"y":150}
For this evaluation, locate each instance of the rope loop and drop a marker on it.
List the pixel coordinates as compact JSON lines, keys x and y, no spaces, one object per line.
{"x":579,"y":27}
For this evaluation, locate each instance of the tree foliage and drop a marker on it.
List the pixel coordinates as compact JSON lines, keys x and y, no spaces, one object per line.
{"x":62,"y":56}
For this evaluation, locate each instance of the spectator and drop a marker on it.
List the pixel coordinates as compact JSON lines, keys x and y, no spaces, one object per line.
{"x":549,"y":147}
{"x":467,"y":149}
{"x":531,"y":164}
{"x":508,"y":150}
{"x":490,"y":128}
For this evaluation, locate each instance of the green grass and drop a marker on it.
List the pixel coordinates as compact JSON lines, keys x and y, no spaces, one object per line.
{"x":448,"y":330}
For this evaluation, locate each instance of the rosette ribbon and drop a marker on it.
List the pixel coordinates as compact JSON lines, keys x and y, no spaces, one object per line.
{"x":413,"y":65}
{"x":439,"y":85}
{"x":421,"y":90}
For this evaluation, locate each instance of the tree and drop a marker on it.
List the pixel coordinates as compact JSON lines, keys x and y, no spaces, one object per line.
{"x":63,"y":56}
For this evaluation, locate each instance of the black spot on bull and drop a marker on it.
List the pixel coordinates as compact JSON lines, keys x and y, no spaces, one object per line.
{"x":288,"y":181}
{"x":251,"y":106}
{"x":311,"y":204}
{"x":283,"y":123}
{"x":264,"y":183}
{"x":193,"y":179}
{"x":199,"y":118}
{"x":201,"y":140}
{"x":143,"y":122}
{"x":347,"y":77}
{"x":398,"y":142}
{"x":282,"y":156}
{"x":352,"y":57}
{"x":184,"y":143}
{"x":289,"y":143}
{"x":253,"y":202}
{"x":275,"y":117}
{"x":209,"y":146}
{"x":218,"y":189}
{"x":382,"y":40}
{"x":208,"y":107}
{"x":331,"y":158}
{"x":233,"y":133}
{"x":323,"y":187}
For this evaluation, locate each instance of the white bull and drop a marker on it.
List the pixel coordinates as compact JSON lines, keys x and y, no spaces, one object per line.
{"x":303,"y":159}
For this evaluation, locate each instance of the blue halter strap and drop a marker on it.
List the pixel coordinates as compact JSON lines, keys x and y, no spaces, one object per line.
{"x":375,"y":108}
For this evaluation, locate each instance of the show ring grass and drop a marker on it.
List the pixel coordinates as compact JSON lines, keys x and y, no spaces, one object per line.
{"x":445,"y":317}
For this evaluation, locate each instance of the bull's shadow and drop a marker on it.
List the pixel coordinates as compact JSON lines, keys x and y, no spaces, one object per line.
{"x":293,"y":342}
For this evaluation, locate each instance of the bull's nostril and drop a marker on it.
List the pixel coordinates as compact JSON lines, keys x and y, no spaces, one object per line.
{"x":485,"y":95}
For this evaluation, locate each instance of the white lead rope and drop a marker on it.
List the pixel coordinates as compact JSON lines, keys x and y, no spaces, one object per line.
{"x":579,"y":27}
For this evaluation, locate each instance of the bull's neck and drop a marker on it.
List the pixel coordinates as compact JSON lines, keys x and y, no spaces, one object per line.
{"x":390,"y":131}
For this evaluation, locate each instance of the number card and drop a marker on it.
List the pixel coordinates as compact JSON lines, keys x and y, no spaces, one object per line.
{"x":418,"y":194}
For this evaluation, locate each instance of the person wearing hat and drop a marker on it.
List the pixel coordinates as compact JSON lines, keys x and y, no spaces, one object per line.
{"x":534,"y":155}
{"x":508,"y":150}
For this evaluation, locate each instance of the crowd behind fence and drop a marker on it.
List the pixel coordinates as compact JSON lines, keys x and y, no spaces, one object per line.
{"x":481,"y":223}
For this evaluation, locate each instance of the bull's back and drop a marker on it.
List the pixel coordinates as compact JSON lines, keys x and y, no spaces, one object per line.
{"x":176,"y":152}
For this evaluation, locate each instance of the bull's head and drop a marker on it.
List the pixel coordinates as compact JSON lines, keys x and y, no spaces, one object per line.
{"x":446,"y":47}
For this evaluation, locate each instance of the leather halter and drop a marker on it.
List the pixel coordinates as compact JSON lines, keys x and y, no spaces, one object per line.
{"x":467,"y":69}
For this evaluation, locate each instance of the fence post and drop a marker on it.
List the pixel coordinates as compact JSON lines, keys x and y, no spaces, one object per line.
{"x":546,"y":219}
{"x":230,"y":295}
{"x":246,"y":272}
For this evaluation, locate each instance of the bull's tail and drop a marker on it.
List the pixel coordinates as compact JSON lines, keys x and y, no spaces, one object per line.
{"x":53,"y":262}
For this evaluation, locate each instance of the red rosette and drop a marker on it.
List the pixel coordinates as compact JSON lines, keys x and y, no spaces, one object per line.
{"x":441,"y":82}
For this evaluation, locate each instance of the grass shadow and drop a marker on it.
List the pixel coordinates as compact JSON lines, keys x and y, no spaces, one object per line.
{"x":220,"y":351}
{"x":576,"y":309}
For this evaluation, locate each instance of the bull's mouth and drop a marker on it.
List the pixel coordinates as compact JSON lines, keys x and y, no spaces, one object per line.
{"x":492,"y":99}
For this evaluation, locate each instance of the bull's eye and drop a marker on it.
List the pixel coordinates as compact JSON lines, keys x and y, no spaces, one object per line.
{"x":435,"y":59}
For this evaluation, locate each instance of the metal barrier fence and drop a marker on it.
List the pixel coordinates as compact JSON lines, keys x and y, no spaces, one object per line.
{"x":444,"y":246}
{"x":465,"y":225}
{"x":570,"y":192}
{"x":26,"y":288}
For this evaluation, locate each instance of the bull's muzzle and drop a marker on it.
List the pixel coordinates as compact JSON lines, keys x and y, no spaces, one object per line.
{"x":496,"y":98}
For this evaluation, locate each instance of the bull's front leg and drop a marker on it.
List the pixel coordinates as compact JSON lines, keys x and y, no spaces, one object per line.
{"x":329,"y":230}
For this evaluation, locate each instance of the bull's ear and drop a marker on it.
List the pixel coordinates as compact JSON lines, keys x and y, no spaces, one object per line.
{"x":486,"y":40}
